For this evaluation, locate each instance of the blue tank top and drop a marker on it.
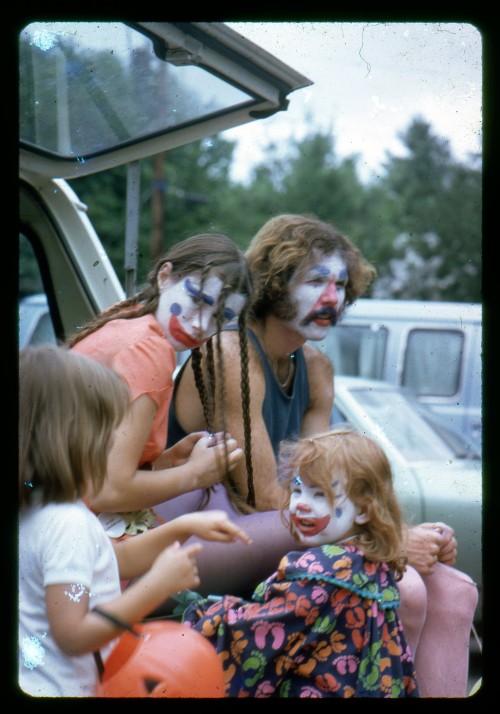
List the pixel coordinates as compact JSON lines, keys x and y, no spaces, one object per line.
{"x":282,"y":413}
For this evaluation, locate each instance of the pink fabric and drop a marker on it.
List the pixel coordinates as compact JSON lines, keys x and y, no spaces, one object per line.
{"x":139,"y":352}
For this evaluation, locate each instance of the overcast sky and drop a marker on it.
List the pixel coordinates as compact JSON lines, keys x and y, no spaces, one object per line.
{"x":370,"y":81}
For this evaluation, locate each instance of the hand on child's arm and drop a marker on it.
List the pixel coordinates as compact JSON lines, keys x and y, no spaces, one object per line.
{"x":449,"y":546}
{"x":214,"y":525}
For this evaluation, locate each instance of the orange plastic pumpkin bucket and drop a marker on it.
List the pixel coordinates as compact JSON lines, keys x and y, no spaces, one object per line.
{"x":166,"y":660}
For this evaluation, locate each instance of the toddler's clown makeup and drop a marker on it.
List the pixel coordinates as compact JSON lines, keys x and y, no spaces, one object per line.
{"x":187,"y":312}
{"x":318,"y":295}
{"x":314,"y":520}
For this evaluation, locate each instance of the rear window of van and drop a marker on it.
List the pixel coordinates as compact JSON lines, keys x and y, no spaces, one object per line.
{"x":432,"y":362}
{"x":358,"y":350}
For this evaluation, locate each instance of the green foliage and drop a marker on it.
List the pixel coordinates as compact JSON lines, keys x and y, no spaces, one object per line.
{"x":189,"y":185}
{"x":418,"y":223}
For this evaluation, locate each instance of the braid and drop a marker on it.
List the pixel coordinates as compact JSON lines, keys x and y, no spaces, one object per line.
{"x":245,"y":399}
{"x":211,"y":371}
{"x":205,"y":398}
{"x":120,"y":310}
{"x":144,"y":302}
{"x":221,"y":392}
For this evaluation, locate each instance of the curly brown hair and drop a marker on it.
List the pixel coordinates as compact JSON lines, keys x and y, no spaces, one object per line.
{"x":285,"y":245}
{"x":362,"y":466}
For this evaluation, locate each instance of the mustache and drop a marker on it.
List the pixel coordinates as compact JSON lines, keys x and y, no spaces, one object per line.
{"x":325,"y":313}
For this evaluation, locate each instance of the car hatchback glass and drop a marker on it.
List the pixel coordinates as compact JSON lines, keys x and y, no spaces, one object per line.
{"x":110,"y":89}
{"x":96,"y":95}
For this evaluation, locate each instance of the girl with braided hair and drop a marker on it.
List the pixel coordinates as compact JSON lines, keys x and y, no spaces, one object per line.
{"x":197,"y":287}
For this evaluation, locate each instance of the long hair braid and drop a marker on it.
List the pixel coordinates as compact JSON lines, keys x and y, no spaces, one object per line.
{"x":210,"y":384}
{"x":245,"y":400}
{"x":205,"y":397}
{"x":135,"y":306}
{"x":211,"y":379}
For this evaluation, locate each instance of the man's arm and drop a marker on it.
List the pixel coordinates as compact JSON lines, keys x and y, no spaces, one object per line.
{"x":321,"y":390}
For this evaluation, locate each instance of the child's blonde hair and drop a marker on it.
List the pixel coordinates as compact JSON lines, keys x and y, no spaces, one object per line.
{"x":69,"y":406}
{"x":361,"y":465}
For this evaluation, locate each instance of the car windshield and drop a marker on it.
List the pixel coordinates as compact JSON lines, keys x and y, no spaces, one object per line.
{"x":403,"y":423}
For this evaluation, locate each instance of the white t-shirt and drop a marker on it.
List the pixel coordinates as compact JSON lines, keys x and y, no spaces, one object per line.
{"x":60,"y":543}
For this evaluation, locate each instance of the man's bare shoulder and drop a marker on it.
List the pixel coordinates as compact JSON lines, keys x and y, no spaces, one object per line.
{"x":316,"y":360}
{"x":230,"y":341}
{"x":231,"y":351}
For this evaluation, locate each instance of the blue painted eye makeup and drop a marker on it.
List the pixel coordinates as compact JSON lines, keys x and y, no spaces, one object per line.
{"x":197,"y":293}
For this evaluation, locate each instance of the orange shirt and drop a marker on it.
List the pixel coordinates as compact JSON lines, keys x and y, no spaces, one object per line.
{"x":139,"y":352}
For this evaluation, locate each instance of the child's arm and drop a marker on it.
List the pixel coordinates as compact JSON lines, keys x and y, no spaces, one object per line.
{"x":127,"y":488}
{"x":77,"y":630}
{"x":135,"y":555}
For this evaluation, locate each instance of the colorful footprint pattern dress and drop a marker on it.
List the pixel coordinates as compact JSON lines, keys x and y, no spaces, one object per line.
{"x":325,"y":624}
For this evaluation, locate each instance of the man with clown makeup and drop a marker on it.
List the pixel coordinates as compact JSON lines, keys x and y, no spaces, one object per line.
{"x":305,"y":274}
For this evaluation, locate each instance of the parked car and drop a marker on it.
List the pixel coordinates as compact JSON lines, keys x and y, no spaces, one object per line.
{"x":35,"y":324}
{"x":432,"y":347}
{"x":437,"y":478}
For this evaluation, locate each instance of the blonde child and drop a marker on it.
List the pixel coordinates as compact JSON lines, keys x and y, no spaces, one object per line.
{"x":70,"y":602}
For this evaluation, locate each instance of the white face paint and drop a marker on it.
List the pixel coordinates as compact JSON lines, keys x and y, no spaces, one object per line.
{"x":186,"y":314}
{"x":312,"y":516}
{"x":318,"y":295}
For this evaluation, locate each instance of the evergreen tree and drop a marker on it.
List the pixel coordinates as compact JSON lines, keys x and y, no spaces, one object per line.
{"x":434,"y":221}
{"x":418,"y":223}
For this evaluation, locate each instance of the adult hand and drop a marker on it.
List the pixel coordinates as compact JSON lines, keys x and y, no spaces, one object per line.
{"x":448,"y":551}
{"x":214,"y":525}
{"x":428,"y":543}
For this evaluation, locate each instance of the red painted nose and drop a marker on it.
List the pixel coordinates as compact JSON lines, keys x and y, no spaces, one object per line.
{"x":303,"y":507}
{"x":329,"y":294}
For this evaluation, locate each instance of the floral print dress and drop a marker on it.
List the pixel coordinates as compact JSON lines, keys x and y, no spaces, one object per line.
{"x":323,"y":625}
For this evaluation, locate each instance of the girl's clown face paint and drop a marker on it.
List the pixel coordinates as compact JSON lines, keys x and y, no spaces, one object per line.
{"x":187,"y":313}
{"x":314,"y":520}
{"x":318,"y":295}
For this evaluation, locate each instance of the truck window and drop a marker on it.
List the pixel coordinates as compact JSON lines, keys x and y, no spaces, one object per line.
{"x":432,"y":362}
{"x":35,"y":324}
{"x":358,"y":351}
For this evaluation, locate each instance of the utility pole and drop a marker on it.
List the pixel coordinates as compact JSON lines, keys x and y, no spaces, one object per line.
{"x":158,"y":206}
